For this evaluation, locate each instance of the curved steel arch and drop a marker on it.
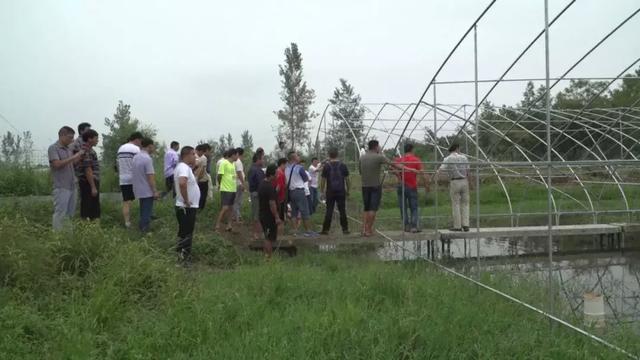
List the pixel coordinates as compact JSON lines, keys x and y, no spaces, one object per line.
{"x":572,"y":67}
{"x":446,"y":60}
{"x":518,"y":58}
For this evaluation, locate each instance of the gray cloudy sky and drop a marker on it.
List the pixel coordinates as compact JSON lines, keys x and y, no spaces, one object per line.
{"x":195,"y":69}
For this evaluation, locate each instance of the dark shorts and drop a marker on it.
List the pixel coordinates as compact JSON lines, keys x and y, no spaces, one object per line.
{"x":371,"y":196}
{"x":270,"y":228}
{"x":127,"y":192}
{"x":227,"y":198}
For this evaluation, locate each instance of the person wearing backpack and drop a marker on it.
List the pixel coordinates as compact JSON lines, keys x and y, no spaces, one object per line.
{"x":335,"y":183}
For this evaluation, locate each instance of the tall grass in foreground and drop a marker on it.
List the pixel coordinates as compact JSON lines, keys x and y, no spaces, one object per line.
{"x":98,"y":295}
{"x":105,"y":292}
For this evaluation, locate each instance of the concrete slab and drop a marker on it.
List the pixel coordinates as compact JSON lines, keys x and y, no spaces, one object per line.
{"x":534,"y":231}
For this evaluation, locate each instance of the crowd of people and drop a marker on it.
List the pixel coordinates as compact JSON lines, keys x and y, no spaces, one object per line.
{"x":284,"y":190}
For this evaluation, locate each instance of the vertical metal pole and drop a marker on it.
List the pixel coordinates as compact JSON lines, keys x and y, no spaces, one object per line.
{"x":548,"y":120}
{"x":477,"y":131}
{"x":435,"y":160}
{"x":403,"y":208}
{"x":621,"y":146}
{"x":466,"y":138}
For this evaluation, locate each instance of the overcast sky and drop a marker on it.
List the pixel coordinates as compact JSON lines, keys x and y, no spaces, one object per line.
{"x":195,"y":69}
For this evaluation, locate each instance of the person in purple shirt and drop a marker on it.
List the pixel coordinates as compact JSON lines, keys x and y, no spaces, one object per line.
{"x":171,"y":160}
{"x":144,"y":182}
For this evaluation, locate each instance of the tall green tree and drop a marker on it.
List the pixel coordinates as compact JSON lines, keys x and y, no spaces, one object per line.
{"x":628,"y":92}
{"x":222,"y":145}
{"x":229,"y":141}
{"x":296,"y":115}
{"x":246,"y":143}
{"x":119,"y":129}
{"x":347,"y":128}
{"x":581,"y":93}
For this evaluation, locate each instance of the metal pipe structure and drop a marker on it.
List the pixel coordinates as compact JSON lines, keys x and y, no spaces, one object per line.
{"x":477,"y":141}
{"x":588,"y":151}
{"x":446,"y":60}
{"x":435,"y":153}
{"x":582,"y":58}
{"x":517,"y":60}
{"x":548,"y":120}
{"x":507,"y":80}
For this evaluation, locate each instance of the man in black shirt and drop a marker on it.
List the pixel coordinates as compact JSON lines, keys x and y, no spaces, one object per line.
{"x":256,"y":175}
{"x":268,"y":213}
{"x":335,"y":182}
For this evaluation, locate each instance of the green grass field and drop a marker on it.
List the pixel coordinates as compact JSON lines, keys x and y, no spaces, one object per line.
{"x":106,"y":292}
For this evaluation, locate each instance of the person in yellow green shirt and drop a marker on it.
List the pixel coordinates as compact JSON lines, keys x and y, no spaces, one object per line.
{"x":227,"y":177}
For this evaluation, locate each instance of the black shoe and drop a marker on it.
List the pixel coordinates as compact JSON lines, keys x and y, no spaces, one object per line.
{"x":455,"y":229}
{"x":465,"y":228}
{"x":324,"y":232}
{"x":346,"y":232}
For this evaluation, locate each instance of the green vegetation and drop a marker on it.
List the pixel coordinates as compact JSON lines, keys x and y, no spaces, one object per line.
{"x":105,"y":292}
{"x":24,"y":180}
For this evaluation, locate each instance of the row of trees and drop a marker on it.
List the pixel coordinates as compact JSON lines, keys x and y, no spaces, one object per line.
{"x":577,"y":129}
{"x":123,"y":124}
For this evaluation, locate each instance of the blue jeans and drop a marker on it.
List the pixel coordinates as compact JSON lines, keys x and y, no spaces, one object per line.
{"x":299,"y":204}
{"x":146,"y":209}
{"x":314,"y":199}
{"x":409,"y":203}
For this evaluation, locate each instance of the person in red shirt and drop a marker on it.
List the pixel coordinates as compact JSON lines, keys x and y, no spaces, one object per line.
{"x":408,"y":197}
{"x":280,"y":183}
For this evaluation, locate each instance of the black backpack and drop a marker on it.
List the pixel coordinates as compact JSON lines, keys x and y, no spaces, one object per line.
{"x":335,"y":180}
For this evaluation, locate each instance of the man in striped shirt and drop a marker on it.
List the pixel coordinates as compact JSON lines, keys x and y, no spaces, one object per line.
{"x":88,"y":174}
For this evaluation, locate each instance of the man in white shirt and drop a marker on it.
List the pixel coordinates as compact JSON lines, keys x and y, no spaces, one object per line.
{"x":171,"y":159}
{"x":457,"y":167}
{"x":124,"y":158}
{"x":296,"y":177}
{"x":237,"y":205}
{"x":314,"y":169}
{"x":187,"y":200}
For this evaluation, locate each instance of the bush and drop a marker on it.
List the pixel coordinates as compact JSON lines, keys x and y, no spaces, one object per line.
{"x":17,"y":180}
